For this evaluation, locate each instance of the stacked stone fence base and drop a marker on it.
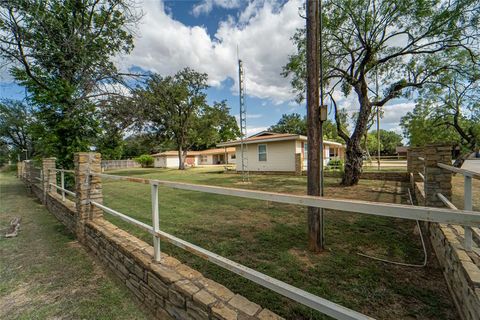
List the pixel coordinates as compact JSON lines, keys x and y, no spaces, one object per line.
{"x":460,"y":268}
{"x":169,"y":289}
{"x":461,"y":273}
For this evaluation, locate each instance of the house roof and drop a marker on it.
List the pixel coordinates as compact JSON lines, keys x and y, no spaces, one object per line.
{"x":400,"y":149}
{"x":216,"y":151}
{"x":263,"y":133}
{"x":174,"y":153}
{"x":195,"y":153}
{"x":272,"y":137}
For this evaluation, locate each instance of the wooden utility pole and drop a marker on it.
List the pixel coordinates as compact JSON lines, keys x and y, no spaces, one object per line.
{"x":313,"y":126}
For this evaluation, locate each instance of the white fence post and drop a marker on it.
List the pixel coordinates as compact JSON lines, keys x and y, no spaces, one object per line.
{"x":62,"y":178}
{"x":155,"y":222}
{"x":467,"y":205}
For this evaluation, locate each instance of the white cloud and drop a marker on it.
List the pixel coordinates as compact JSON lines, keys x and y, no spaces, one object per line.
{"x":206,"y":6}
{"x":392,"y":114}
{"x":393,"y":111}
{"x":253,"y":130}
{"x":262,"y":34}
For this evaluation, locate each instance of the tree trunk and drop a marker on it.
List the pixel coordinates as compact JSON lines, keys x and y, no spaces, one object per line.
{"x":181,"y":161}
{"x":353,"y":163}
{"x":353,"y":152}
{"x":315,"y":237}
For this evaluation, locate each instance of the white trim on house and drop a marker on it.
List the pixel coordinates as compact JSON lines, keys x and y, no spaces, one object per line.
{"x":272,"y":138}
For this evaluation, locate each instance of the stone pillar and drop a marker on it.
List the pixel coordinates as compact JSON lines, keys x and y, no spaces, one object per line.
{"x":437,"y":180}
{"x":298,"y":164}
{"x":28,"y":172}
{"x":49,"y":176}
{"x":87,"y":188}
{"x":19,"y":169}
{"x":414,"y":165}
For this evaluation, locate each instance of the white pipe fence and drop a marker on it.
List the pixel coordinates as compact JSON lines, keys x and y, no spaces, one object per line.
{"x":119,"y":164}
{"x":467,"y":199}
{"x":61,"y":187}
{"x":442,"y":215}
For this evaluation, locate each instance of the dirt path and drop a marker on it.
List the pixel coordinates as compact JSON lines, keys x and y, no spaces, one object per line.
{"x":46,"y":274}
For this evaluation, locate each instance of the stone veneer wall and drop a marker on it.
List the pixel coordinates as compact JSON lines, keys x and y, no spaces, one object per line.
{"x":37,"y":191}
{"x":459,"y":269}
{"x":169,"y":289}
{"x":385,"y":175}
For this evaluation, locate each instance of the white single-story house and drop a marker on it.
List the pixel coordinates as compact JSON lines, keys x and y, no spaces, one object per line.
{"x":216,"y":156}
{"x":280,"y":152}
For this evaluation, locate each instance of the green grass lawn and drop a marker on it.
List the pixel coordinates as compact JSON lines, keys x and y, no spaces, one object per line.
{"x":46,"y":274}
{"x":271,"y":238}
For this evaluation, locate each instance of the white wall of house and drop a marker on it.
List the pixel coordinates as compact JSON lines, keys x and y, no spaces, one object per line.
{"x":160,"y":162}
{"x":205,"y":159}
{"x":172,"y":162}
{"x":166,"y":162}
{"x":280,"y":156}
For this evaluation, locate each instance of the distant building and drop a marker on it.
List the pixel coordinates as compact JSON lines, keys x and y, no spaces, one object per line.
{"x":280,"y":152}
{"x":401,"y":151}
{"x":169,"y":159}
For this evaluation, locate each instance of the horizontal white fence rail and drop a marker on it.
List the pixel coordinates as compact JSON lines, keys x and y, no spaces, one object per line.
{"x":452,"y":216}
{"x":63,"y":170}
{"x":322,"y":305}
{"x":63,"y":189}
{"x":467,"y":199}
{"x":446,"y":201}
{"x":430,"y":214}
{"x":465,"y":172}
{"x":62,"y":182}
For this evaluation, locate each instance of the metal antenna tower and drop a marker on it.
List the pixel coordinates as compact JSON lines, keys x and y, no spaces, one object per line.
{"x":243,"y":122}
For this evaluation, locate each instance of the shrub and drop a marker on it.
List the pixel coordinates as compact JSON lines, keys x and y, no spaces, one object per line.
{"x":335,"y":164}
{"x":145,"y":160}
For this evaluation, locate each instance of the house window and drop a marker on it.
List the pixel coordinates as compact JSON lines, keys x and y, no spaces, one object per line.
{"x":333,"y":152}
{"x":262,"y":152}
{"x":233,"y":156}
{"x":203,"y":158}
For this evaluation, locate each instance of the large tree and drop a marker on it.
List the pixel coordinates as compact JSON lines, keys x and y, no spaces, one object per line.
{"x":61,"y":51}
{"x":420,"y":128}
{"x":397,"y":42}
{"x":175,"y":108}
{"x":451,"y":106}
{"x":214,"y":125}
{"x":17,"y":127}
{"x":389,"y":141}
{"x":296,"y":124}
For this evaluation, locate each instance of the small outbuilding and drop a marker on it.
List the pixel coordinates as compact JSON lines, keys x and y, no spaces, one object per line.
{"x":280,"y":152}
